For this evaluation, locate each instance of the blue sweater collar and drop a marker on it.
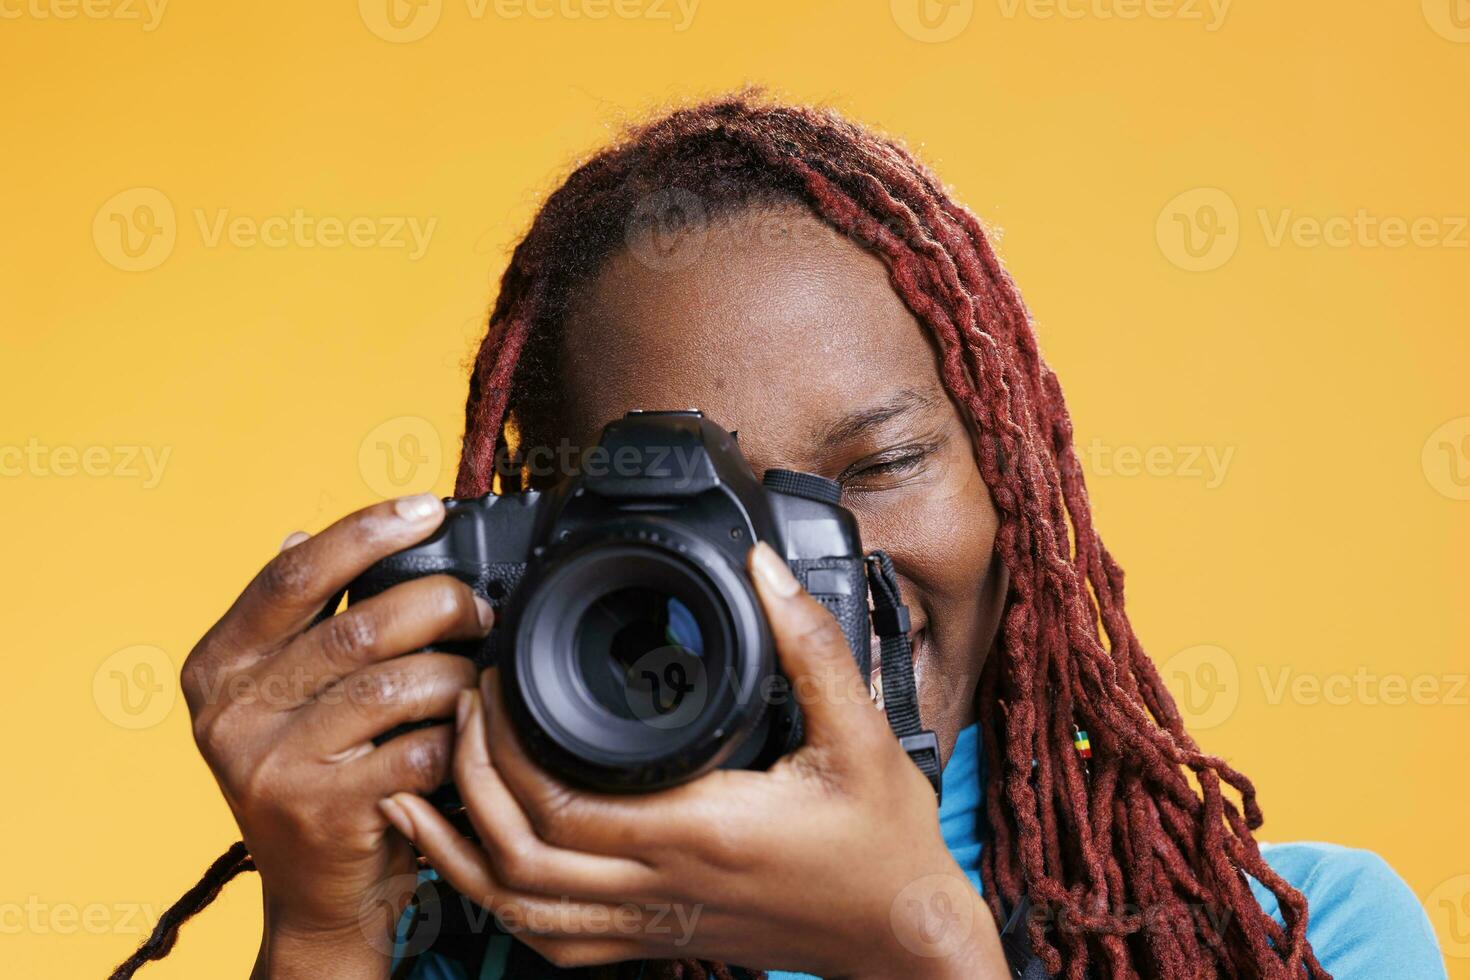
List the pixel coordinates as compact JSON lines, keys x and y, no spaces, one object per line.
{"x":960,"y":813}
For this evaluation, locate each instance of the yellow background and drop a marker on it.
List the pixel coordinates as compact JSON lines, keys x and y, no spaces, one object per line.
{"x":1332,"y":546}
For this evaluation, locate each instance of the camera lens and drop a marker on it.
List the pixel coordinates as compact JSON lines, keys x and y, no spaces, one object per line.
{"x":638,"y":658}
{"x":641,"y":652}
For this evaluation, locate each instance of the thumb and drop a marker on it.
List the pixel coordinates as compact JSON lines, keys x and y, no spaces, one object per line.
{"x":813,"y":652}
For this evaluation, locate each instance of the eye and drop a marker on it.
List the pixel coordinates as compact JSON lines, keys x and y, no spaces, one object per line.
{"x":884,"y":470}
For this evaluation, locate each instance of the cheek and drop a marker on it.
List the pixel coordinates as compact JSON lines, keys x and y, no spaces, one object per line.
{"x":941,"y":536}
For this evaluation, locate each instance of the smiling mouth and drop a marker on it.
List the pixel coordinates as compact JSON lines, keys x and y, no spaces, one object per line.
{"x":918,"y":641}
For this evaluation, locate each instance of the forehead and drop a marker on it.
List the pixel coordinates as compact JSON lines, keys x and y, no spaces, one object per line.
{"x":771,"y":322}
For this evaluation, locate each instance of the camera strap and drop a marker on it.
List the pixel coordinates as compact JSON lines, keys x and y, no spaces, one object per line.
{"x":901,"y":702}
{"x":896,"y":661}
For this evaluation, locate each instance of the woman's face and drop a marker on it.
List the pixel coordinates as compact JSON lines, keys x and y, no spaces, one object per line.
{"x":781,"y":329}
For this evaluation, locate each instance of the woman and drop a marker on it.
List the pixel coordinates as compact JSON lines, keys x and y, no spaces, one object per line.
{"x":811,"y":286}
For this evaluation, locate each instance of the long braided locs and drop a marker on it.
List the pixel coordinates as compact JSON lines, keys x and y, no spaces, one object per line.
{"x":1140,"y":864}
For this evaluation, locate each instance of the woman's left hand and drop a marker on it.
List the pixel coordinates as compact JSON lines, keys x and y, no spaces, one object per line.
{"x":831,"y":862}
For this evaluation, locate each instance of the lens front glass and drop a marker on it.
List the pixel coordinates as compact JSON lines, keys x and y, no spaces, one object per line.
{"x":641,"y":654}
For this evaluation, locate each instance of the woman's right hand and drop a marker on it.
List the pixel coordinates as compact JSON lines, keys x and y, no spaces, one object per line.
{"x":285,"y":714}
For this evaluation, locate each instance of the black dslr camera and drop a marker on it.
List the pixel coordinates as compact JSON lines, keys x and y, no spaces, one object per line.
{"x":632,"y":647}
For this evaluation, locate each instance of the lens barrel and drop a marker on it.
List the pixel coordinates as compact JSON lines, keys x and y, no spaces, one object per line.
{"x":640,"y":659}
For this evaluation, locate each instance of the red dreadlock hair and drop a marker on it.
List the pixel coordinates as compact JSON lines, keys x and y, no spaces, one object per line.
{"x":1141,"y":867}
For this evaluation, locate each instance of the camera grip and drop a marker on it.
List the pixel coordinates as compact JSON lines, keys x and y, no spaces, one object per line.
{"x":494,"y":582}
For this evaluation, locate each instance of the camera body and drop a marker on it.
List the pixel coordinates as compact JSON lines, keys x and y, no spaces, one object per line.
{"x":633,"y":651}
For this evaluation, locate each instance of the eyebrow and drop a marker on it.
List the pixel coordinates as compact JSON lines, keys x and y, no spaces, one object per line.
{"x":865,"y":421}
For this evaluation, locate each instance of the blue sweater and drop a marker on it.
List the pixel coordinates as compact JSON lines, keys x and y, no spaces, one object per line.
{"x":1365,"y":923}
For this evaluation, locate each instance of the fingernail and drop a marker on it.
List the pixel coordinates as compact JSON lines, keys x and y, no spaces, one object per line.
{"x":417,"y":509}
{"x":462,"y":709}
{"x":397,"y":816}
{"x":486,"y":612}
{"x":773,"y":571}
{"x":293,"y":539}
